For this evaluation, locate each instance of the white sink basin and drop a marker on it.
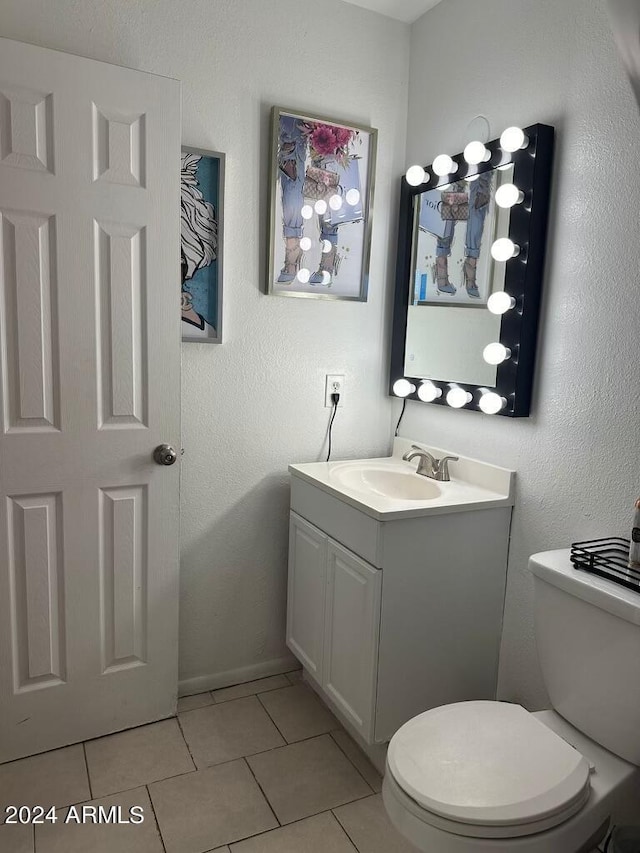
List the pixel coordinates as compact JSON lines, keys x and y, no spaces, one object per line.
{"x":385,"y":480}
{"x":388,"y":488}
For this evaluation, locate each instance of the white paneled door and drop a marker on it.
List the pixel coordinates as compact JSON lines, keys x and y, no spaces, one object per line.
{"x":89,"y":386}
{"x":306,"y":592}
{"x":352,"y":628}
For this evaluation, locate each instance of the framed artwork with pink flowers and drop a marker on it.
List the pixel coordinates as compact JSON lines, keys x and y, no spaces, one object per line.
{"x":321,"y":194}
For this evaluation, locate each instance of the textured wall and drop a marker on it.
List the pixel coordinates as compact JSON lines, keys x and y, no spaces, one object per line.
{"x":578,"y":456}
{"x":256,"y":403}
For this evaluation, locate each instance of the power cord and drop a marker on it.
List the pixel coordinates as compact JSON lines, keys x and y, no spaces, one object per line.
{"x":404,"y":403}
{"x":335,"y":399}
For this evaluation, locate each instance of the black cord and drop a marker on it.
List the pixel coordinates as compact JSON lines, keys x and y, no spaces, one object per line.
{"x":334,"y":399}
{"x":404,"y":403}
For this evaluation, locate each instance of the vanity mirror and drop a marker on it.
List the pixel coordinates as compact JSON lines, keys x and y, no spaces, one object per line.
{"x":471,"y":242}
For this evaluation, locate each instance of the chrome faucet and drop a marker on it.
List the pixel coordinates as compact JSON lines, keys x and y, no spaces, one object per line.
{"x":429,"y":466}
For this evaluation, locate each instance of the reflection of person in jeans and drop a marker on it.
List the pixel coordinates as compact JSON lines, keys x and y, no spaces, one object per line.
{"x":292,"y":153}
{"x":479,"y":197}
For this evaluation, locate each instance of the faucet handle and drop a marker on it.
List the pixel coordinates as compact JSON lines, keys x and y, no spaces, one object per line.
{"x":415,"y":447}
{"x":443,"y":466}
{"x":406,"y":455}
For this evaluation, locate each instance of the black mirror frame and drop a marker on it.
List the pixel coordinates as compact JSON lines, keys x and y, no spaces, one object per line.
{"x":523,"y":274}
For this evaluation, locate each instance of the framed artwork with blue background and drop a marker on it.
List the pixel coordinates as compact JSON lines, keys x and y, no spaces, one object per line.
{"x":201,"y":202}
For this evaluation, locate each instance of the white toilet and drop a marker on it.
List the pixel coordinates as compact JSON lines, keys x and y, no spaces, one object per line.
{"x":493,"y":776}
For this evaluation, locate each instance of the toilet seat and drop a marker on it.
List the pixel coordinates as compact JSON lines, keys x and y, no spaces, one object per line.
{"x":487,"y":770}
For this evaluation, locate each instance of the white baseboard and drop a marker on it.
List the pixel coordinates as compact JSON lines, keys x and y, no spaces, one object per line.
{"x":190,"y":686}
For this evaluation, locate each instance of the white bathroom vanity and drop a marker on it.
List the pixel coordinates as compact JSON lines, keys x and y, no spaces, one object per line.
{"x":396,"y":585}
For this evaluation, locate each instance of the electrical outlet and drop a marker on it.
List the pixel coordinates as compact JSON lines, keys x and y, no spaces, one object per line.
{"x":334,"y":384}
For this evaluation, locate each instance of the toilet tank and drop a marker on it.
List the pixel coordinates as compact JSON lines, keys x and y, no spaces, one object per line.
{"x":588,"y":637}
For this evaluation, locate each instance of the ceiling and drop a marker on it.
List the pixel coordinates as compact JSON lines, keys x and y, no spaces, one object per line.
{"x":403,"y":10}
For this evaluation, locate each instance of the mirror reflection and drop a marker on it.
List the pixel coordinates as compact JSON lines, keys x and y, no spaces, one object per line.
{"x":452,"y":275}
{"x":471,"y":235}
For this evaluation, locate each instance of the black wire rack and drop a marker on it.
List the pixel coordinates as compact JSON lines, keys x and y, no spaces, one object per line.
{"x":608,"y":558}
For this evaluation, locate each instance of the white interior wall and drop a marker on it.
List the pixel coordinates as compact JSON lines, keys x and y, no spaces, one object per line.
{"x":256,"y":403}
{"x":578,"y":455}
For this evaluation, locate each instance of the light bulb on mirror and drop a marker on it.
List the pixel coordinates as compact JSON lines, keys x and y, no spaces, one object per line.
{"x":471,"y":177}
{"x":428,"y":392}
{"x":305,"y":243}
{"x":458,"y":397}
{"x":500,"y":302}
{"x":504,"y":249}
{"x":402,"y":388}
{"x":303,"y":275}
{"x":513,"y":139}
{"x":307,"y":211}
{"x":444,"y":165}
{"x":415,"y":175}
{"x":335,"y":202}
{"x":476,"y":152}
{"x":509,"y":195}
{"x":491,"y":403}
{"x":496,"y":353}
{"x":320,"y":206}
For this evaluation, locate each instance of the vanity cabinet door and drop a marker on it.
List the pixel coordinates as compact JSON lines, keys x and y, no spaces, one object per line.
{"x":352,"y":626}
{"x":306,"y":594}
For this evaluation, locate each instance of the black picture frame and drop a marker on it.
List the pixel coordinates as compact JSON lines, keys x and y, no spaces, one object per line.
{"x":523,"y":274}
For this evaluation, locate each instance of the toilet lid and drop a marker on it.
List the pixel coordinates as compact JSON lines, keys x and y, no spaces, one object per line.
{"x":487,"y":764}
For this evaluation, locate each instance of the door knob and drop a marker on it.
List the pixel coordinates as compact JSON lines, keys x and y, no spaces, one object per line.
{"x":164,"y":454}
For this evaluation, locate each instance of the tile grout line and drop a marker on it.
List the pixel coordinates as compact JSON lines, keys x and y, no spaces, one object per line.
{"x":112,"y":734}
{"x":309,"y":816}
{"x":253,"y":681}
{"x":198,"y":707}
{"x":268,"y":690}
{"x":331,"y":808}
{"x":298,"y":819}
{"x":134,"y":788}
{"x":86,"y":764}
{"x":337,"y":819}
{"x":342,"y":729}
{"x":195,"y":766}
{"x":297,"y":681}
{"x":299,"y":740}
{"x":311,"y":737}
{"x":268,"y":801}
{"x":265,"y":751}
{"x":155,"y":816}
{"x":294,"y":742}
{"x":239,"y":757}
{"x":353,"y":764}
{"x":266,"y":710}
{"x":291,"y":823}
{"x":217,"y":702}
{"x":220,"y":764}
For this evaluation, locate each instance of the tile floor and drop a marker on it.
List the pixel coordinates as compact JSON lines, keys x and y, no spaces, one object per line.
{"x":262,"y":767}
